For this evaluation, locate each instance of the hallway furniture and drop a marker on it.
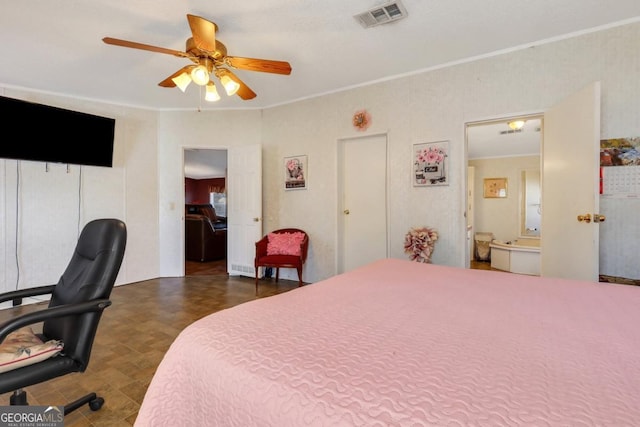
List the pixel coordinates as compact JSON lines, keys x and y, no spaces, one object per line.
{"x":209,"y":211}
{"x":202,"y":241}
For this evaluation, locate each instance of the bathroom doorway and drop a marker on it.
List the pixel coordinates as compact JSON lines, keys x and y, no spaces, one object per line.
{"x":500,"y":153}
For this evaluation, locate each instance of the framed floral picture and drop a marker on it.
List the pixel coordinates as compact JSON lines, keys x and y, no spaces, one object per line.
{"x":430,"y":164}
{"x":295,"y":173}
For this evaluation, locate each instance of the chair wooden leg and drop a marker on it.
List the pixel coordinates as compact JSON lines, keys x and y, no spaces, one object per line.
{"x":299,"y":276}
{"x":257,"y":271}
{"x":277,"y":273}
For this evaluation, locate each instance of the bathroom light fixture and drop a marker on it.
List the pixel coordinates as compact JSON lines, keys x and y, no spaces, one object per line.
{"x":516,"y":124}
{"x":212,"y":93}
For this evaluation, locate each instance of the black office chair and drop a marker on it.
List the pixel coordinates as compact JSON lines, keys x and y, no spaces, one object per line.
{"x":75,"y":308}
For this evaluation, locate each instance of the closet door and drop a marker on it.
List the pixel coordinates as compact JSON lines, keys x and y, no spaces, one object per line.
{"x":362,"y":189}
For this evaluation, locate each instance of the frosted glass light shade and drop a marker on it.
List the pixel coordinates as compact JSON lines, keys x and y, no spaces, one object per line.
{"x":516,"y":124}
{"x":200,"y":75}
{"x":182,"y":81}
{"x":212,"y":93}
{"x":230,"y":86}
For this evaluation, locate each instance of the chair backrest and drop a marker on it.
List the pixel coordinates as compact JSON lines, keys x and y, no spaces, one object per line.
{"x":91,"y":274}
{"x":305,"y":242}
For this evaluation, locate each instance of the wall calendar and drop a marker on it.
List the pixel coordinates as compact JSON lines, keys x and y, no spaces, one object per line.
{"x":620,"y":168}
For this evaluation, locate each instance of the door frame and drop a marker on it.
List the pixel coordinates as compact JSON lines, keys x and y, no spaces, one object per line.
{"x":183,"y":195}
{"x":339,"y":188}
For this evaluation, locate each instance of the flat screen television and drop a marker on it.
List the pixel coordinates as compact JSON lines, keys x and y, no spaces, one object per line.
{"x":39,"y":132}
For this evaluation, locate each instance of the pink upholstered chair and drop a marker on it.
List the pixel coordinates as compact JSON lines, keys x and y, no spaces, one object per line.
{"x":283,"y":248}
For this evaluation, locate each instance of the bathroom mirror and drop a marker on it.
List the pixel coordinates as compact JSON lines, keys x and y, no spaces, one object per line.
{"x":530,"y":208}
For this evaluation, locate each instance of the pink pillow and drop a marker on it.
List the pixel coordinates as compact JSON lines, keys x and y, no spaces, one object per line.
{"x":22,"y":347}
{"x":285,"y":243}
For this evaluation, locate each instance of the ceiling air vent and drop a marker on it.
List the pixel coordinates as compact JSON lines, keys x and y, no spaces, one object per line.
{"x":510,"y":131}
{"x":382,"y":15}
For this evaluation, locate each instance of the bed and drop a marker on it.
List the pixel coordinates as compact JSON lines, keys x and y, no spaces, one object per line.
{"x":400,"y":343}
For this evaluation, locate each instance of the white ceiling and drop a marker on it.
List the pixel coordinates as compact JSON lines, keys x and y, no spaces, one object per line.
{"x":56,"y":46}
{"x":491,"y":140}
{"x":205,"y":163}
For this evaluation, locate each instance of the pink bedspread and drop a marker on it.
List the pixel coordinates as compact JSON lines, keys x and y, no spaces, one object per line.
{"x":399,"y":343}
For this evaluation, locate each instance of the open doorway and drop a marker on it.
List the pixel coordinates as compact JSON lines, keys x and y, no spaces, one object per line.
{"x":504,"y":193}
{"x":205,"y":172}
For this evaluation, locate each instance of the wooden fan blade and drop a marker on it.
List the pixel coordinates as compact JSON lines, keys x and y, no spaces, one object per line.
{"x":135,"y":45}
{"x":244,"y":92}
{"x":263,"y":65}
{"x":168,"y":82}
{"x":204,"y":33}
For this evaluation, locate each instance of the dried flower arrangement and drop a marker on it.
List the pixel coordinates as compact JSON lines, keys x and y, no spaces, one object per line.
{"x":419,"y":243}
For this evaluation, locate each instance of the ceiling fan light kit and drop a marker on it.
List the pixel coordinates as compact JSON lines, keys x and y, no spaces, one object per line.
{"x":210,"y":57}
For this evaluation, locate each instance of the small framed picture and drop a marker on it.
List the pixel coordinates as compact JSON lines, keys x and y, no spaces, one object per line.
{"x":495,"y":188}
{"x":295,"y":173}
{"x":430,"y":164}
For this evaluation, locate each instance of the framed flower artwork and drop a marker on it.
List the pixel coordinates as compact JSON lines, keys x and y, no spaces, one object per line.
{"x":430,"y":164}
{"x":295,"y":173}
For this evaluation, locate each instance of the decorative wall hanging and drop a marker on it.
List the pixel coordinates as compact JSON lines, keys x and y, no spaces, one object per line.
{"x":495,"y":188}
{"x":430,"y":164}
{"x":419,"y":243}
{"x":361,"y":120}
{"x":295,"y":173}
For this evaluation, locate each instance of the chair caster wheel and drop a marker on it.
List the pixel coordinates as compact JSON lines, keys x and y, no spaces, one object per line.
{"x":96,"y":403}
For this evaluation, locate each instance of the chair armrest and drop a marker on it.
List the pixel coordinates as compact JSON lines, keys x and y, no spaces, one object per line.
{"x":49,"y":313}
{"x":24,"y":293}
{"x":261,"y":247}
{"x":304,"y":248}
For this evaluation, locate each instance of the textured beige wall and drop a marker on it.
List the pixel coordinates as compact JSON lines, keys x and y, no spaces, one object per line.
{"x":434,"y":106}
{"x":500,"y":216}
{"x":430,"y":106}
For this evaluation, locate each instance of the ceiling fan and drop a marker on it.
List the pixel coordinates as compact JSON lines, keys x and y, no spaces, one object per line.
{"x":209,"y":57}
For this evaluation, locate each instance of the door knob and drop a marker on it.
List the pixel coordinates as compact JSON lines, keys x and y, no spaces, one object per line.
{"x":584,"y":218}
{"x":256,"y":219}
{"x":346,"y":211}
{"x":598,"y":218}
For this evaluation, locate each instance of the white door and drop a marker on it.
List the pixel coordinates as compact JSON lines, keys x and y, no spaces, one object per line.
{"x":362,"y":189}
{"x":244,"y":208}
{"x":570,"y":184}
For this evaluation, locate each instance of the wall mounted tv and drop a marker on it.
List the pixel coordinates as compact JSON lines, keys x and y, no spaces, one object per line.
{"x":55,"y":135}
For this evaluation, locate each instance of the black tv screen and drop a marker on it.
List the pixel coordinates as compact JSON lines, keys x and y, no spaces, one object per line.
{"x":50,"y":134}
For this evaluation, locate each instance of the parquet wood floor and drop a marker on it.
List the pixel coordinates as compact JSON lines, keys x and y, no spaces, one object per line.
{"x":134,"y":334}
